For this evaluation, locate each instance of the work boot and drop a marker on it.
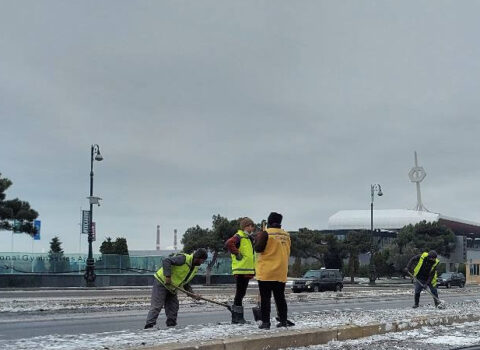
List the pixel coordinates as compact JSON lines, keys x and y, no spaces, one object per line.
{"x":289,"y":323}
{"x":149,"y":325}
{"x":237,"y":315}
{"x":171,"y":322}
{"x":436,"y":302}
{"x":417,"y":301}
{"x":264,"y":325}
{"x":286,"y":323}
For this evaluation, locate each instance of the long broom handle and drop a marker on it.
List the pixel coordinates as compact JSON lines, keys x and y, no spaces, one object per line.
{"x":202,"y":298}
{"x":264,"y":226}
{"x":424,"y":287}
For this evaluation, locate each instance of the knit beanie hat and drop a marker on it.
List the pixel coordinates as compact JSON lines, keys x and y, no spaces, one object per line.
{"x":244,"y":222}
{"x":274,"y":219}
{"x":200,"y":253}
{"x":432,"y":254}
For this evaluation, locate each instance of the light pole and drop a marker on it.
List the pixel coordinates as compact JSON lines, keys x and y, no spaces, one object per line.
{"x":372,"y":273}
{"x":90,"y":268}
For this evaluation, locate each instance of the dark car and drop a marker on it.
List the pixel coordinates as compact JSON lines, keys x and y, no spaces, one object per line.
{"x":449,"y":279}
{"x":319,"y":280}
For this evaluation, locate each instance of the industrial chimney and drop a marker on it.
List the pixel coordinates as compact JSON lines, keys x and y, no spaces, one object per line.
{"x":158,"y":237}
{"x":175,"y":239}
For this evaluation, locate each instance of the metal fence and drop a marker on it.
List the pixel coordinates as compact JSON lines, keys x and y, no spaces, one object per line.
{"x":14,"y":263}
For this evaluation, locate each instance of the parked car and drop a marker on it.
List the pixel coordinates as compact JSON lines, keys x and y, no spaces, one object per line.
{"x":319,"y":280}
{"x":449,"y":279}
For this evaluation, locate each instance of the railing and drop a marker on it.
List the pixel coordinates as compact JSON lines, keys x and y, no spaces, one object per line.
{"x":15,"y":263}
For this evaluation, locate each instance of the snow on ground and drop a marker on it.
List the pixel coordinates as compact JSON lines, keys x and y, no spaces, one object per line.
{"x":136,"y":300}
{"x":151,"y":337}
{"x":438,"y":338}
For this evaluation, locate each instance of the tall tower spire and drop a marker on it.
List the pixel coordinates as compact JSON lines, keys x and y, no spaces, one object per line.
{"x":417,"y":174}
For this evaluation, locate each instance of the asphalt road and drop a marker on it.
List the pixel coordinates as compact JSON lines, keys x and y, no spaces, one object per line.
{"x":83,"y":323}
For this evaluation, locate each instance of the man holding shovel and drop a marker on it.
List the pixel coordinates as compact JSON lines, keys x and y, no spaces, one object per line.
{"x":176,"y":272}
{"x":425,"y":274}
{"x":240,"y":246}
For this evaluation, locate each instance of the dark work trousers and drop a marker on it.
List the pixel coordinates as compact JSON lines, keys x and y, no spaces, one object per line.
{"x":278,"y":289}
{"x":162,"y":297}
{"x":419,"y":288}
{"x":242,"y":285}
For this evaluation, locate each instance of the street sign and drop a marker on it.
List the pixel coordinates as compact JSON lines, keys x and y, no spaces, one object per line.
{"x":37,"y":224}
{"x":85,"y":220}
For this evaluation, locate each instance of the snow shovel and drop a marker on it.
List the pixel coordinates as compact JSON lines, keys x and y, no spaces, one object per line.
{"x":257,"y":312}
{"x":203,"y":298}
{"x":441,"y":303}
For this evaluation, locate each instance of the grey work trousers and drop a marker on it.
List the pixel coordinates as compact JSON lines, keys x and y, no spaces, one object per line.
{"x":162,"y":297}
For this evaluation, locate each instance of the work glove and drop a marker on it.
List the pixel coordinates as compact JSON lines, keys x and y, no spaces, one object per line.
{"x":239,"y":256}
{"x":406,"y":270}
{"x":168,"y":280}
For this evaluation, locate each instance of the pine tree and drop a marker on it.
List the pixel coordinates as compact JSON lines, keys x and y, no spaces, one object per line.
{"x":120,"y":246}
{"x":15,"y":215}
{"x":56,"y":258}
{"x":107,"y":246}
{"x":55,"y":246}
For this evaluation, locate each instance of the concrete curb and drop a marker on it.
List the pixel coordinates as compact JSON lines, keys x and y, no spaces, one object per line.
{"x":315,"y":336}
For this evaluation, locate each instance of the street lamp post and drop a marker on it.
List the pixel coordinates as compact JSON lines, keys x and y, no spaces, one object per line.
{"x":372,"y":273}
{"x":90,"y":268}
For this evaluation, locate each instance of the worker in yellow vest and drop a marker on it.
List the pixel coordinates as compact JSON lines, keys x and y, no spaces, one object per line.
{"x":240,"y":246}
{"x":177,"y":272}
{"x":425,"y":271}
{"x":273,"y":248}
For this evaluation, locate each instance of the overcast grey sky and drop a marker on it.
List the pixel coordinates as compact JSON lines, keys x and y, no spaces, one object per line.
{"x":235,"y":108}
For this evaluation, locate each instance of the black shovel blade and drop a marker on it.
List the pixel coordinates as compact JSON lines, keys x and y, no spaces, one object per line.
{"x":257,"y":313}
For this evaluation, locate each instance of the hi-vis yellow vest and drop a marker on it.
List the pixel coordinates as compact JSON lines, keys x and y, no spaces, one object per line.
{"x":180,"y":274}
{"x":246,"y":266}
{"x":272,"y":263}
{"x":419,"y":266}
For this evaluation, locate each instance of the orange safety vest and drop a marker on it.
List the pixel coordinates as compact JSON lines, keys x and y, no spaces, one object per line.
{"x":272,"y":263}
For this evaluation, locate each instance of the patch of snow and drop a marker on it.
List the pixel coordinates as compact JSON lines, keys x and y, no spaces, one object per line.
{"x":154,"y":337}
{"x":457,"y":340}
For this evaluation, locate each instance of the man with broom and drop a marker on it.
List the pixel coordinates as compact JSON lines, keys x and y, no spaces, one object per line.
{"x":176,"y":272}
{"x":425,"y":274}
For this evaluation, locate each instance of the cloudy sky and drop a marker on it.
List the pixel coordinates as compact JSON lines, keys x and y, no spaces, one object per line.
{"x":236,"y":108}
